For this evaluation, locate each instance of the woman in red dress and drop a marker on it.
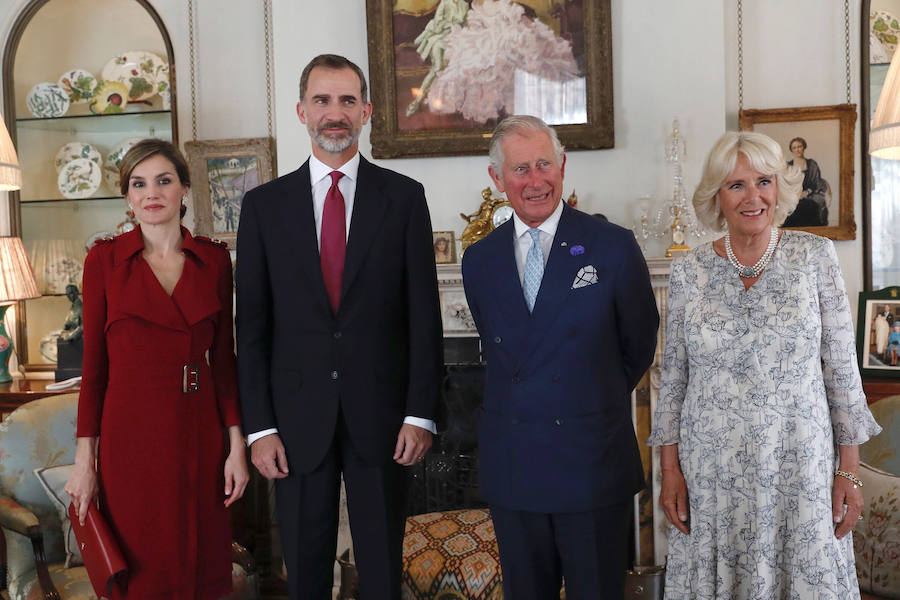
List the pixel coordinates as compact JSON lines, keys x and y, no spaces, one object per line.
{"x":158,"y":388}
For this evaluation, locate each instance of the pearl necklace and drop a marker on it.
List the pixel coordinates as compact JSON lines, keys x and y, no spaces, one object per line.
{"x":756,"y":270}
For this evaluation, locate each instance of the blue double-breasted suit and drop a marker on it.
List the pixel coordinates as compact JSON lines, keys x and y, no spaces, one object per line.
{"x":555,"y":432}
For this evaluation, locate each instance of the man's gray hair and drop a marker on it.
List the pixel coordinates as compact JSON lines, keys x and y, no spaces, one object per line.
{"x":520,"y":124}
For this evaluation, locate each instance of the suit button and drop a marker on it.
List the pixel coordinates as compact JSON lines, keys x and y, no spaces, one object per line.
{"x":334,"y":374}
{"x":515,"y":421}
{"x":497,"y":339}
{"x":515,"y":379}
{"x":558,"y":422}
{"x":556,"y":378}
{"x":337,"y":335}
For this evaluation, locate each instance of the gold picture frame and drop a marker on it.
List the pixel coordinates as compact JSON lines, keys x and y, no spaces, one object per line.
{"x":396,"y":66}
{"x":222,"y":171}
{"x":827,"y":132}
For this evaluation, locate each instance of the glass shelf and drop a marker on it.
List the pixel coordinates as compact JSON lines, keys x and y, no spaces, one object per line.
{"x":127,"y":113}
{"x":53,"y":200}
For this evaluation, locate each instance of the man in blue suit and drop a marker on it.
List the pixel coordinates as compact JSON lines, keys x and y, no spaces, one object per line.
{"x":567,"y":318}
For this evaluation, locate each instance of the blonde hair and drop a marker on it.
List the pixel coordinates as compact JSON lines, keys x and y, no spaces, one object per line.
{"x":764,"y":155}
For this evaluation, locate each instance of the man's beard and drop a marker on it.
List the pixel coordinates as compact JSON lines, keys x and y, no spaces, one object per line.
{"x":335,"y":144}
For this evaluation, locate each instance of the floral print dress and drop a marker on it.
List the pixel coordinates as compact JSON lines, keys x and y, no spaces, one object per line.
{"x":757,"y":388}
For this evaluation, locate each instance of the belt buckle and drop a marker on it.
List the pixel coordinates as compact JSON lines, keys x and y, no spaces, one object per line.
{"x":191,"y":379}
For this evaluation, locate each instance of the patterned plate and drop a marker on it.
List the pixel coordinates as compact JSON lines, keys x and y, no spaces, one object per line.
{"x":74,"y":150}
{"x":47,"y":100}
{"x":79,"y":178}
{"x":886,"y":29}
{"x":79,"y":84}
{"x":113,"y":159}
{"x":137,"y":69}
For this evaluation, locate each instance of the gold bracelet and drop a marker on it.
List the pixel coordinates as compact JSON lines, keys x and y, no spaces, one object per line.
{"x":857,"y":482}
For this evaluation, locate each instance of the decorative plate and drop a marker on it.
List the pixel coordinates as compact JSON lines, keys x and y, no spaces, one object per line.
{"x":74,"y":150}
{"x":79,"y":178}
{"x":886,"y":28}
{"x":163,"y":87}
{"x":137,"y":69}
{"x":47,"y":100}
{"x":113,"y":159}
{"x":111,"y":98}
{"x":79,"y":84}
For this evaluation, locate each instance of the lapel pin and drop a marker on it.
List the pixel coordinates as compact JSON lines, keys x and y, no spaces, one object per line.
{"x":563,"y":244}
{"x":576,"y":250}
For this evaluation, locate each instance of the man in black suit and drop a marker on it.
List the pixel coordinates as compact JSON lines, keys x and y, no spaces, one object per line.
{"x":339,"y":339}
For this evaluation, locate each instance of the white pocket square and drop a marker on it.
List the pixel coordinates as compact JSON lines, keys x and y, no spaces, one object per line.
{"x":587,"y":275}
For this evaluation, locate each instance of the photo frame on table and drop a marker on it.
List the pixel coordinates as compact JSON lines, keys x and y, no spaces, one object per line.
{"x":444,"y":247}
{"x":443,"y":73}
{"x":878,"y":333}
{"x":824,"y":134}
{"x":222,"y":171}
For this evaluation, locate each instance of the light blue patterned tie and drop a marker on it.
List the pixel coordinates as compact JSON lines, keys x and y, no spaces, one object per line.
{"x":534,"y":269}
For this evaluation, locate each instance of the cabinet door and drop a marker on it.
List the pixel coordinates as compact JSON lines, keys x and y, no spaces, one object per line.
{"x":58,"y":217}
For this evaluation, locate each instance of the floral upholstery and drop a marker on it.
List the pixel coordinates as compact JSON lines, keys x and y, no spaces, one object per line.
{"x":876,"y":540}
{"x":40,"y":434}
{"x":451,"y":555}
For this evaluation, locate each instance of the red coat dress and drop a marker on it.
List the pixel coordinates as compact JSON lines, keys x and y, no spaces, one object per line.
{"x":161,"y":449}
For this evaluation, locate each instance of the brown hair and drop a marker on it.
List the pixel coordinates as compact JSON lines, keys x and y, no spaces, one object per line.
{"x":143,"y":150}
{"x":337,"y":62}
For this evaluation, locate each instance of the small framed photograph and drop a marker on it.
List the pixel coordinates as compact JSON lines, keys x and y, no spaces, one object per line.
{"x":819,"y":141}
{"x":444,"y":247}
{"x":455,"y":314}
{"x":878,"y":332}
{"x":222,"y":171}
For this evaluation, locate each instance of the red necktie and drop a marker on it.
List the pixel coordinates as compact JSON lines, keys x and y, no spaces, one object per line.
{"x":334,"y":241}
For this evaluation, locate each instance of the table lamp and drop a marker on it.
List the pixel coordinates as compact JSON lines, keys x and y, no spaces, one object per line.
{"x":16,"y":283}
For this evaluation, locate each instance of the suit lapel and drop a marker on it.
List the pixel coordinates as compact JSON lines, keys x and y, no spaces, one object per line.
{"x":369,"y":208}
{"x":300,"y":220}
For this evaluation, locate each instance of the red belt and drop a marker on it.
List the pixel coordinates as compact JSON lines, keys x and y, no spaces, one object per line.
{"x":188,"y":376}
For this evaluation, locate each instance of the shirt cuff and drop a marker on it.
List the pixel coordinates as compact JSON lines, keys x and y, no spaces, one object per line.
{"x":420,"y":422}
{"x":252,"y":437}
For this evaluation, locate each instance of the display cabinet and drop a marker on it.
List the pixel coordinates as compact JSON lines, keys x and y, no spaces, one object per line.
{"x":120,"y":53}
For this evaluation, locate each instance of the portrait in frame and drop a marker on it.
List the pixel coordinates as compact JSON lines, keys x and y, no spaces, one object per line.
{"x":443,"y":73}
{"x":222,"y":171}
{"x":819,"y":139}
{"x":878,"y":333}
{"x":444,"y":247}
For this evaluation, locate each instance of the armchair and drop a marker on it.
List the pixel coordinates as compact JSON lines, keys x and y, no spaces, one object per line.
{"x":40,"y":434}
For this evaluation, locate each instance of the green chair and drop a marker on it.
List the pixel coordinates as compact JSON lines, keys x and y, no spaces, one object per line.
{"x":41,"y":434}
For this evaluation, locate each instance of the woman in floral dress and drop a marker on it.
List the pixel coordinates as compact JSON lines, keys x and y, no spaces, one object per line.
{"x":761,"y":407}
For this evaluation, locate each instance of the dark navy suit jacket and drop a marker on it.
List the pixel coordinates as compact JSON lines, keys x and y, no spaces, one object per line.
{"x":555,"y":432}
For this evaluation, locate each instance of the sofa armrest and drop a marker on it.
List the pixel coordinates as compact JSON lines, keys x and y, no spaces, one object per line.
{"x":15,"y":517}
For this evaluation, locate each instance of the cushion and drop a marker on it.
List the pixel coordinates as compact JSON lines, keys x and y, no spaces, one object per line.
{"x":53,"y":480}
{"x":451,"y":555}
{"x":883,"y":450}
{"x":876,"y":540}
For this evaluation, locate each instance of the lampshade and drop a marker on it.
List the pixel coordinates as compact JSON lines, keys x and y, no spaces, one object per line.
{"x":10,"y":173}
{"x":16,"y":277}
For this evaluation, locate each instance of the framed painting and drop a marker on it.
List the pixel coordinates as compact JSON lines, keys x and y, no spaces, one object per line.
{"x":444,"y":247}
{"x":818,"y":139}
{"x":222,"y":171}
{"x":444,"y":72}
{"x":878,"y":332}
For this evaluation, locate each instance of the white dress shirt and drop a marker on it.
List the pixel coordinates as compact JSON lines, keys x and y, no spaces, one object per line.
{"x":523,"y":240}
{"x":320,"y":181}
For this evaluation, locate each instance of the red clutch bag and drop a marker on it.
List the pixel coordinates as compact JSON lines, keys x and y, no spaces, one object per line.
{"x":99,"y":551}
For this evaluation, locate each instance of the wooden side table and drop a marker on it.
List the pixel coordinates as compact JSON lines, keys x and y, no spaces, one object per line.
{"x":19,"y":391}
{"x":877,"y":388}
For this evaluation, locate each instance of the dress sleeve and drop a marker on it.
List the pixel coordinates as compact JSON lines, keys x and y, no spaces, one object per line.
{"x":221,"y":355}
{"x":675,"y":371}
{"x":850,"y":417}
{"x":95,"y":365}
